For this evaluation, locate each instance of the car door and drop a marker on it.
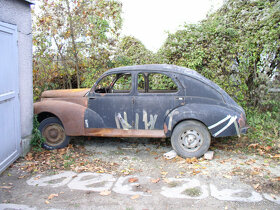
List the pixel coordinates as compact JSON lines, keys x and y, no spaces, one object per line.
{"x":112,"y":100}
{"x":156,"y":95}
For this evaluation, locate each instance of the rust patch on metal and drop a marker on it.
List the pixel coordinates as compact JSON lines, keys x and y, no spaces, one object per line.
{"x":79,"y":100}
{"x":111,"y":132}
{"x":165,"y":129}
{"x":66,"y":93}
{"x":71,"y":115}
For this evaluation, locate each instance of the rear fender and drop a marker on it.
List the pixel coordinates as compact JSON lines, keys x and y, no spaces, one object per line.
{"x":214,"y":117}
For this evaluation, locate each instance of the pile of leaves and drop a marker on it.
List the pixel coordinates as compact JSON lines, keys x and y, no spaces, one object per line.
{"x":247,"y":145}
{"x":74,"y":158}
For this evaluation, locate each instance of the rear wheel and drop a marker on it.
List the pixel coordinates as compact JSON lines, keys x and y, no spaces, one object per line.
{"x":53,"y":131}
{"x":190,"y":139}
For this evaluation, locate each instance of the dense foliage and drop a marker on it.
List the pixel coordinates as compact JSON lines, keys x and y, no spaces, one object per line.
{"x":73,"y":39}
{"x":238,"y":47}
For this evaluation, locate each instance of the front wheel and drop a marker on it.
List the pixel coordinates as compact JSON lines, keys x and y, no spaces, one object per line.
{"x":190,"y":139}
{"x":53,"y":131}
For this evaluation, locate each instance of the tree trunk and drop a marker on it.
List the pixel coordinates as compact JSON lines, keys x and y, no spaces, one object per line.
{"x":74,"y":44}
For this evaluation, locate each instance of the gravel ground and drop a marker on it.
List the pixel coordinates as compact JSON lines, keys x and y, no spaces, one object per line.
{"x":144,"y":179}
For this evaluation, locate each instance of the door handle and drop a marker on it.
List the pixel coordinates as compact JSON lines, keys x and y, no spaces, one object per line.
{"x":180,"y":98}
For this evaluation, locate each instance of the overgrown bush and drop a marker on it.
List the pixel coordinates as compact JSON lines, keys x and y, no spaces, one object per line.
{"x":265,"y":125}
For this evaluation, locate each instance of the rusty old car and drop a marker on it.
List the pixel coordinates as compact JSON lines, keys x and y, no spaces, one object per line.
{"x":151,"y":101}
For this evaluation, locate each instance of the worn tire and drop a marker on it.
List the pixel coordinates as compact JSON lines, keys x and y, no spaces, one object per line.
{"x":53,"y":131}
{"x":190,"y":139}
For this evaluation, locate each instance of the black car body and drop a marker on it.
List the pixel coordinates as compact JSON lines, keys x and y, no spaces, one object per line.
{"x":156,"y":100}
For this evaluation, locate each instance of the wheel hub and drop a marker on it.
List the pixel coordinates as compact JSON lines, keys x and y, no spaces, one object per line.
{"x":191,"y":140}
{"x":54,"y":134}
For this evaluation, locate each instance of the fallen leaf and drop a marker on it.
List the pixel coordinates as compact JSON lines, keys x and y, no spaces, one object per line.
{"x":153,"y":153}
{"x":29,"y":156}
{"x":166,"y":180}
{"x":155,"y":180}
{"x":105,"y":192}
{"x":51,"y":196}
{"x":164,"y":173}
{"x":253,"y":146}
{"x":256,"y":186}
{"x":195,"y":172}
{"x":47,"y":202}
{"x":191,"y":160}
{"x":273,"y":196}
{"x":134,"y":197}
{"x":132,"y":180}
{"x":250,"y":161}
{"x":5,"y":187}
{"x":227,"y":176}
{"x":267,"y":148}
{"x":277,"y":178}
{"x":276,"y":156}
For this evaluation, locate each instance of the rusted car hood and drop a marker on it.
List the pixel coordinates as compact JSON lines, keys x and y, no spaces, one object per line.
{"x":66,"y":93}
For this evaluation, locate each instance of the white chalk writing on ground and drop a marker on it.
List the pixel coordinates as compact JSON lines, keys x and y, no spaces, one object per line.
{"x":123,"y":186}
{"x":235,"y":195}
{"x":64,"y":177}
{"x":87,"y":180}
{"x":190,"y":189}
{"x":184,"y":188}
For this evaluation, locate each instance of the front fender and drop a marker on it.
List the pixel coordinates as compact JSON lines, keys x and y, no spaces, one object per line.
{"x":70,"y":114}
{"x":214,"y":117}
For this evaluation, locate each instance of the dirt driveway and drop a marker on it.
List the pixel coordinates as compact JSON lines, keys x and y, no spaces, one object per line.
{"x":133,"y":174}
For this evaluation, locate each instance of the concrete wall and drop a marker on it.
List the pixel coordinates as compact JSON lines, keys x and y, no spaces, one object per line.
{"x":18,"y":12}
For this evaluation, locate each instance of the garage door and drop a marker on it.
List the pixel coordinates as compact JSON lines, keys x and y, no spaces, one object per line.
{"x":9,"y":96}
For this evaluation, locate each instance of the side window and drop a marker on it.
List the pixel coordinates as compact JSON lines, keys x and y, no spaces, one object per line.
{"x":114,"y":83}
{"x":161,"y":83}
{"x":141,"y":83}
{"x":122,"y":83}
{"x":104,"y":84}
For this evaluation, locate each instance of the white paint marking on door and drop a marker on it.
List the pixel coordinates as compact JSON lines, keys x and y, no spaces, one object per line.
{"x":149,"y":124}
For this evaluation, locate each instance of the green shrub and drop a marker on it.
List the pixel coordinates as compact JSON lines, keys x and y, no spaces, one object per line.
{"x":37,"y":140}
{"x":265,"y":124}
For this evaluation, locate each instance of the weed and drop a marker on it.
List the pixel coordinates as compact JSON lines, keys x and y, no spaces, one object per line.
{"x":172,"y":184}
{"x":37,"y":140}
{"x":193,"y":192}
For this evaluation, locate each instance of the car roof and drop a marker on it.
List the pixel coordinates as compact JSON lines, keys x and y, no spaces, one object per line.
{"x":171,"y":68}
{"x":157,"y":67}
